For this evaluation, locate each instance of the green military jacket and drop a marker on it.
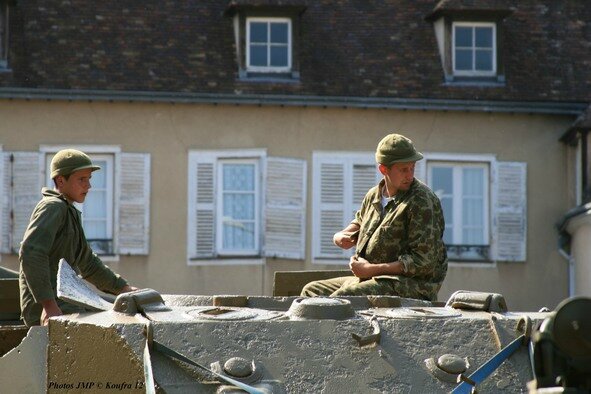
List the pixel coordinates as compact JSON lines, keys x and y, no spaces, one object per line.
{"x":409,"y":230}
{"x":55,"y":232}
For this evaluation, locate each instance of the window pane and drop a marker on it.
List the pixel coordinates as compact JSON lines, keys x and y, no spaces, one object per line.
{"x":463,"y":59}
{"x":484,"y":60}
{"x":279,"y":56}
{"x":473,"y":181}
{"x":95,"y":229}
{"x":258,"y":32}
{"x":238,"y":206}
{"x":279,"y":33}
{"x":258,"y":55}
{"x":473,"y":206}
{"x":484,"y":37}
{"x":95,"y":205}
{"x":238,"y":236}
{"x":238,"y":177}
{"x":99,"y":179}
{"x":442,"y":180}
{"x":463,"y":37}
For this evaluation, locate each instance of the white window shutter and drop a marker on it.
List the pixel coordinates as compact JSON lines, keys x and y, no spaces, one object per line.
{"x":509,"y":221}
{"x":21,"y":192}
{"x":285,"y":208}
{"x":134,"y":204}
{"x":201,"y":220}
{"x":330,"y":184}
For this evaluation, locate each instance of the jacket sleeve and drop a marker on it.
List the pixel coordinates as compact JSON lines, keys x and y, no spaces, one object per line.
{"x":421,"y":258}
{"x":96,"y":272}
{"x":46,"y":220}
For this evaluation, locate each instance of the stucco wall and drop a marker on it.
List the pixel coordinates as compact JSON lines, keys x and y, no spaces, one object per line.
{"x":169,"y":131}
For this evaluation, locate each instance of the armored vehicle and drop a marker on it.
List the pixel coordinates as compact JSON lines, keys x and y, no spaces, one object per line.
{"x":148,"y":342}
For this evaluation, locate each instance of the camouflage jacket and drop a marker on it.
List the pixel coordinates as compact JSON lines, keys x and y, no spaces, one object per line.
{"x":409,"y":230}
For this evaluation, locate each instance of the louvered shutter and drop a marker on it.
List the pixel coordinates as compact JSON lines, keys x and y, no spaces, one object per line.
{"x":23,"y":171}
{"x":509,"y":222}
{"x":365,"y":177}
{"x":201,"y":227}
{"x":330,"y":183}
{"x":285,"y":208}
{"x":134,"y":204}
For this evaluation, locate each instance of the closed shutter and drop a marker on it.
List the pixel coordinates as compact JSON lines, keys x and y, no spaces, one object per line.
{"x":285,"y":208}
{"x":134,"y":204}
{"x":22,"y":187}
{"x":509,"y":221}
{"x":329,"y":217}
{"x":201,"y":229}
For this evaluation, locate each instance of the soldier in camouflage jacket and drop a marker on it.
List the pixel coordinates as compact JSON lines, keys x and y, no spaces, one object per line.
{"x":397,"y":232}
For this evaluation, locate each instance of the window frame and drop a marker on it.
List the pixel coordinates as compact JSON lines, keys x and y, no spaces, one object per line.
{"x":457,"y":226}
{"x":93,"y":151}
{"x":269,"y":68}
{"x":219,"y":217}
{"x":196,"y":156}
{"x":461,"y":159}
{"x":473,"y":48}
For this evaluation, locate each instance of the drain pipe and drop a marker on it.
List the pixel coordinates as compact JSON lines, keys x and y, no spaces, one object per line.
{"x":565,"y":239}
{"x":571,"y":270}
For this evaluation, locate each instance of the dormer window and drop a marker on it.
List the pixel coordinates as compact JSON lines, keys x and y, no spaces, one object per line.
{"x":470,"y":43}
{"x":266,"y":40}
{"x":474,"y":49}
{"x":268,"y":44}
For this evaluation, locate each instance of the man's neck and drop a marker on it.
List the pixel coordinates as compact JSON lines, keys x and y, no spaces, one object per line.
{"x":388,"y":190}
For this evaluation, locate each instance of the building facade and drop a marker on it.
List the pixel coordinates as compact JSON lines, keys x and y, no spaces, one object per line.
{"x":235,"y":138}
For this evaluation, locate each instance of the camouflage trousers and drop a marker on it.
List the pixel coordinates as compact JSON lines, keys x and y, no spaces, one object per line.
{"x":350,"y":286}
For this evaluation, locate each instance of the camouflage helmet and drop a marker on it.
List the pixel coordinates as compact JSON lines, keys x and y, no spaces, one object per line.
{"x":396,"y":148}
{"x":67,"y":161}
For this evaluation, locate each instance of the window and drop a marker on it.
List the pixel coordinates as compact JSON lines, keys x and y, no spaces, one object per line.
{"x":238,"y":218}
{"x":3,"y":34}
{"x":240,"y":210}
{"x":484,"y":205}
{"x":268,"y":44}
{"x":266,"y":39}
{"x":463,"y":189}
{"x":341,"y":180}
{"x":474,"y":49}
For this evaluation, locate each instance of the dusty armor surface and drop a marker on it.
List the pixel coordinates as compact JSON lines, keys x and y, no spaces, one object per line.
{"x":145,"y":342}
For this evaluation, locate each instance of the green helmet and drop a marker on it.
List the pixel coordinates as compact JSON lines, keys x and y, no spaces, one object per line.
{"x":396,"y":148}
{"x":67,"y":161}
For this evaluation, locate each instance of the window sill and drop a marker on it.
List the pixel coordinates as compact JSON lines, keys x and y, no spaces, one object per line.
{"x":218,"y":261}
{"x":283,"y":77}
{"x":324,"y":261}
{"x":494,"y":81}
{"x":472,"y":264}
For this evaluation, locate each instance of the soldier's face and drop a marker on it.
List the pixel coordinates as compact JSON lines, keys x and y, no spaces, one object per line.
{"x":76,"y":187}
{"x":398,"y":176}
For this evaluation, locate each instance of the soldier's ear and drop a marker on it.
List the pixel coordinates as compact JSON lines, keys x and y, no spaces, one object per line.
{"x":383,"y":169}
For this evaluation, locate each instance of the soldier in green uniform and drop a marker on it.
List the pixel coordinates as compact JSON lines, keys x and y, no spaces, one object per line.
{"x":397,"y":233}
{"x":55,"y":232}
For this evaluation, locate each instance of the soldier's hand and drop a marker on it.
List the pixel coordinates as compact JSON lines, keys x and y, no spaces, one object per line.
{"x":360,"y":267}
{"x":50,"y":309}
{"x":345,"y":240}
{"x":127,"y":289}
